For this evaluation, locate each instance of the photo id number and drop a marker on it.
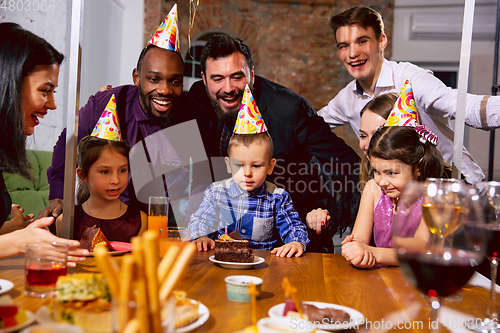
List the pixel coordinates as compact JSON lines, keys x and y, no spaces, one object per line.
{"x":28,"y":5}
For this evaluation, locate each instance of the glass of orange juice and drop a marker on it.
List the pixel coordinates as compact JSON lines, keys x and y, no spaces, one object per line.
{"x":172,"y":235}
{"x":157,"y":213}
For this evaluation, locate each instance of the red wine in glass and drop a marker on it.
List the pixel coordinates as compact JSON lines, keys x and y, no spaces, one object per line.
{"x":445,"y":272}
{"x":44,"y":275}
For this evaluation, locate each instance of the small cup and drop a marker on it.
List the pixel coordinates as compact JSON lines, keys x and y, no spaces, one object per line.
{"x":44,"y":263}
{"x":172,"y":235}
{"x":284,"y":324}
{"x":158,"y":213}
{"x":238,"y":287}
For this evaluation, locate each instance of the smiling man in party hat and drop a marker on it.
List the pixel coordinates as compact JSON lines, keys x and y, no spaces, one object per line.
{"x":155,"y":102}
{"x":260,"y":211}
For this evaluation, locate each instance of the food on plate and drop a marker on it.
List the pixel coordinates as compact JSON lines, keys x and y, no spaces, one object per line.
{"x":93,"y":237}
{"x":186,"y":310}
{"x":10,"y":314}
{"x":315,"y":314}
{"x":83,"y":300}
{"x":230,"y":249}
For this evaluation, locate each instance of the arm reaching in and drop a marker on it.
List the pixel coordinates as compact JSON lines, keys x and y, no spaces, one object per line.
{"x":14,"y":243}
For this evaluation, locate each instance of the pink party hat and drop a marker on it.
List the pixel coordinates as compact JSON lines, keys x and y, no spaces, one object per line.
{"x":404,"y":112}
{"x":249,"y":120}
{"x":167,"y":35}
{"x":107,"y":126}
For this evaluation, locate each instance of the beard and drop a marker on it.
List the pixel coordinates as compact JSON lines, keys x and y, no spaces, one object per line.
{"x":228,"y":115}
{"x":164,"y":120}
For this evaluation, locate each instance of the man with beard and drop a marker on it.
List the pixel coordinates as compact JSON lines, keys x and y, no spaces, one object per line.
{"x":308,"y":154}
{"x":154,"y":102}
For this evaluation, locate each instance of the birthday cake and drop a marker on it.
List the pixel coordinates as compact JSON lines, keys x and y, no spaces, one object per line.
{"x":93,"y":237}
{"x":231,"y":249}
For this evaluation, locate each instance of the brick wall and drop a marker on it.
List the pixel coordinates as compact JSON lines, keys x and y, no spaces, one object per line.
{"x":292,"y":41}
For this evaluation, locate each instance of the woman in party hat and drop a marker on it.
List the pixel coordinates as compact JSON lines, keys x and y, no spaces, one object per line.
{"x":260,"y":211}
{"x":103,"y":174}
{"x":399,"y":152}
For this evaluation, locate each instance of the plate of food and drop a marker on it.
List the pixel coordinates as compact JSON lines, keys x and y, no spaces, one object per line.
{"x":238,"y":265}
{"x":5,"y":286}
{"x":44,"y":318}
{"x":202,"y":317}
{"x":333,"y":317}
{"x":20,"y":321}
{"x":118,"y":248}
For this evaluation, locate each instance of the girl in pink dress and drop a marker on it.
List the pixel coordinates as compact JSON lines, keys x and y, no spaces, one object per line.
{"x":397,"y":155}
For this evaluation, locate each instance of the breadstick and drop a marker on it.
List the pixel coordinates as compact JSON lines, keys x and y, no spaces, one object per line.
{"x":150,"y":242}
{"x":179,"y":266}
{"x":142,"y":293}
{"x":132,"y":326}
{"x":109,"y":268}
{"x":125,"y":296}
{"x":167,"y":261}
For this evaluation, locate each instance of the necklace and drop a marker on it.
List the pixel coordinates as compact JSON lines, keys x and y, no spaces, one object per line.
{"x":90,"y":212}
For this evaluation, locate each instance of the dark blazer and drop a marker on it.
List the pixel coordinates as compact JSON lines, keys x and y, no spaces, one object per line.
{"x":315,"y":166}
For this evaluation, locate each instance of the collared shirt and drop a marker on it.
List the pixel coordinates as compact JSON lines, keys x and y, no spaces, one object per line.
{"x":261,"y":216}
{"x":435,"y":102}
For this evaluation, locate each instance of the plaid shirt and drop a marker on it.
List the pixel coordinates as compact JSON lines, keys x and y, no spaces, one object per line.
{"x":261,"y":216}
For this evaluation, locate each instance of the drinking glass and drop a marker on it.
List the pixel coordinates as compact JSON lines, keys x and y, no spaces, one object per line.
{"x":158,"y":213}
{"x":440,"y":271}
{"x":441,"y":207}
{"x":172,"y":235}
{"x":489,"y":193}
{"x":44,"y":263}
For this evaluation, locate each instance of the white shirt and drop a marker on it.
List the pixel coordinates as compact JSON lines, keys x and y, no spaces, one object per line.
{"x":435,"y":102}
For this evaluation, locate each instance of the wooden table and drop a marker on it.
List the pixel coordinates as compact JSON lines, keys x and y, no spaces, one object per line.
{"x":377,"y":293}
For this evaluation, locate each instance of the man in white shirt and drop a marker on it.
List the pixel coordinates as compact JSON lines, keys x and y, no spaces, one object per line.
{"x":359,"y":32}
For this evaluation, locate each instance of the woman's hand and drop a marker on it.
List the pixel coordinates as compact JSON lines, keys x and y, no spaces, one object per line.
{"x":37,"y":232}
{"x":318,"y":219}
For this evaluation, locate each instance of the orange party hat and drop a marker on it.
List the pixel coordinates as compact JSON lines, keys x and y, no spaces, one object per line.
{"x":108,"y":126}
{"x":404,"y":112}
{"x":167,"y":35}
{"x":249,"y":120}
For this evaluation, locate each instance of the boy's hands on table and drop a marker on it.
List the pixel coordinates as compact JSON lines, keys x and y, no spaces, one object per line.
{"x":288,"y":250}
{"x":318,"y":219}
{"x":205,"y":244}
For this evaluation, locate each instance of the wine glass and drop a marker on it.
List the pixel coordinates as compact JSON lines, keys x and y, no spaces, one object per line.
{"x":439,"y":271}
{"x":441,"y":207}
{"x":489,"y":193}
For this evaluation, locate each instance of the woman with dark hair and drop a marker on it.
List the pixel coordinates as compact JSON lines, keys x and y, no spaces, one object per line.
{"x":29,"y":70}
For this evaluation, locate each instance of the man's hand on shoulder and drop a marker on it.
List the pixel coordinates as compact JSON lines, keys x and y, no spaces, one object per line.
{"x":54,"y":209}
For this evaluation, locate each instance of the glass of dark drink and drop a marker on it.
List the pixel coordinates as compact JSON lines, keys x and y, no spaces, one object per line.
{"x":44,"y":263}
{"x":439,"y":270}
{"x":489,"y":193}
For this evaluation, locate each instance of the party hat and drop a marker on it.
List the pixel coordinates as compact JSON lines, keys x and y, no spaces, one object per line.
{"x":108,"y":126}
{"x":167,"y":35}
{"x":404,"y":112}
{"x":249,"y":120}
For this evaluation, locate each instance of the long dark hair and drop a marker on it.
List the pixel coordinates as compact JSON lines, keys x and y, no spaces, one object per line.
{"x":20,"y":53}
{"x":89,"y":150}
{"x":403,"y":143}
